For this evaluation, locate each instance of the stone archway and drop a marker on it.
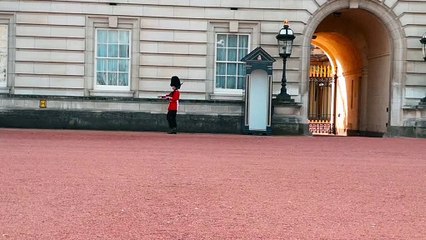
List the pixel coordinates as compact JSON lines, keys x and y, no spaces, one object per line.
{"x":345,"y":72}
{"x":366,"y":43}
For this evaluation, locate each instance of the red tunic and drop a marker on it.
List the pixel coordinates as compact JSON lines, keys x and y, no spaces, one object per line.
{"x":174,"y":100}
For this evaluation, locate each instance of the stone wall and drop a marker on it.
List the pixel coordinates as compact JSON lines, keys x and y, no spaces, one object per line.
{"x":106,"y":113}
{"x":51,"y":44}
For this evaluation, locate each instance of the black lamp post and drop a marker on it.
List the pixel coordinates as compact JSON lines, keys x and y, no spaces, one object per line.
{"x":423,"y":42}
{"x":285,"y":39}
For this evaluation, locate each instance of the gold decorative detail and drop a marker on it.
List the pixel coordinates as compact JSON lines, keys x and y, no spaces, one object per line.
{"x":43,"y":103}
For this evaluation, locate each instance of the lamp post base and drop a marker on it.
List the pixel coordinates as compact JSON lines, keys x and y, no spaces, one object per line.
{"x":287,"y":119}
{"x":284,"y":98}
{"x":423,"y":101}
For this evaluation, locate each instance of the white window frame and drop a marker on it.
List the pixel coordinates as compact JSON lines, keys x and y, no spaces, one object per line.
{"x":7,"y":57}
{"x":227,"y":90}
{"x":129,"y":59}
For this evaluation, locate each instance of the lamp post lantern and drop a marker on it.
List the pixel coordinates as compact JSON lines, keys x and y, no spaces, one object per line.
{"x":285,"y":39}
{"x":423,"y":42}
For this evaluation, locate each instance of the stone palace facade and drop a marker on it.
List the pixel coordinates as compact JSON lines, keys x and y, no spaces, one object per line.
{"x":356,"y":67}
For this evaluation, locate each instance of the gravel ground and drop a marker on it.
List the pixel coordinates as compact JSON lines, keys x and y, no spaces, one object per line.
{"x":58,"y":184}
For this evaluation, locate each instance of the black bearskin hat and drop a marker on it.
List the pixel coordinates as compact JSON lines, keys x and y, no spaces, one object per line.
{"x":175,"y":82}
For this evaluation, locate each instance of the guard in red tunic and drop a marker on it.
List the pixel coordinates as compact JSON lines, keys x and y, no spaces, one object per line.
{"x":173,"y":98}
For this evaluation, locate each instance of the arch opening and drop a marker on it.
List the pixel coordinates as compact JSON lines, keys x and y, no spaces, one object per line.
{"x":358,"y":49}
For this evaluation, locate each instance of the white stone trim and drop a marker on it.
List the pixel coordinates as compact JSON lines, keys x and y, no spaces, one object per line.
{"x":125,"y":23}
{"x":214,"y":27}
{"x":227,"y":96}
{"x":111,"y":93}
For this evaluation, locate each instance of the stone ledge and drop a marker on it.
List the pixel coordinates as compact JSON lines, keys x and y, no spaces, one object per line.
{"x":107,"y":93}
{"x":289,"y":125}
{"x":416,"y":131}
{"x":110,"y":98}
{"x":124,"y":121}
{"x":4,"y":90}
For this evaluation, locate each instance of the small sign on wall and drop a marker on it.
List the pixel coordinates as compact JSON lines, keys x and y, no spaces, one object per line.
{"x":43,"y":103}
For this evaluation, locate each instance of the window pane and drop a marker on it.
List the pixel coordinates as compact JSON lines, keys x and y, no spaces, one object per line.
{"x":112,"y":50}
{"x":232,"y":69}
{"x":101,"y":65}
{"x":221,"y":40}
{"x":232,"y":55}
{"x":113,"y":54}
{"x":100,"y":78}
{"x":231,"y":82}
{"x":102,"y":36}
{"x":220,"y":82}
{"x":112,"y":79}
{"x":123,"y":66}
{"x":102,"y":50}
{"x":221,"y":54}
{"x":112,"y":65}
{"x":123,"y":79}
{"x":242,"y":53}
{"x":241,"y":83}
{"x":124,"y":51}
{"x":232,"y":41}
{"x":124,"y":37}
{"x":243,"y":41}
{"x":221,"y":69}
{"x":112,"y":36}
{"x":241,"y":69}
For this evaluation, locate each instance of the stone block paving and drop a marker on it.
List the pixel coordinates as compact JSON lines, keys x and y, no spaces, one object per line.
{"x":57,"y":184}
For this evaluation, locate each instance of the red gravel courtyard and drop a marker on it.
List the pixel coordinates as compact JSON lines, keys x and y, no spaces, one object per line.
{"x":57,"y":184}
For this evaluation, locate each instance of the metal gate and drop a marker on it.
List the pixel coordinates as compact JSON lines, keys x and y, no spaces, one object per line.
{"x":321,"y":100}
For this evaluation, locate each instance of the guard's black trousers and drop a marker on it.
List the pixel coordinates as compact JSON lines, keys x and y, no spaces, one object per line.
{"x":171,"y":118}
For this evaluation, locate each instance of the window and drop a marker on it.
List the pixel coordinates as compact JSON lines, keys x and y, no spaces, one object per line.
{"x":112,"y":59}
{"x":3,"y":55}
{"x":230,"y":71}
